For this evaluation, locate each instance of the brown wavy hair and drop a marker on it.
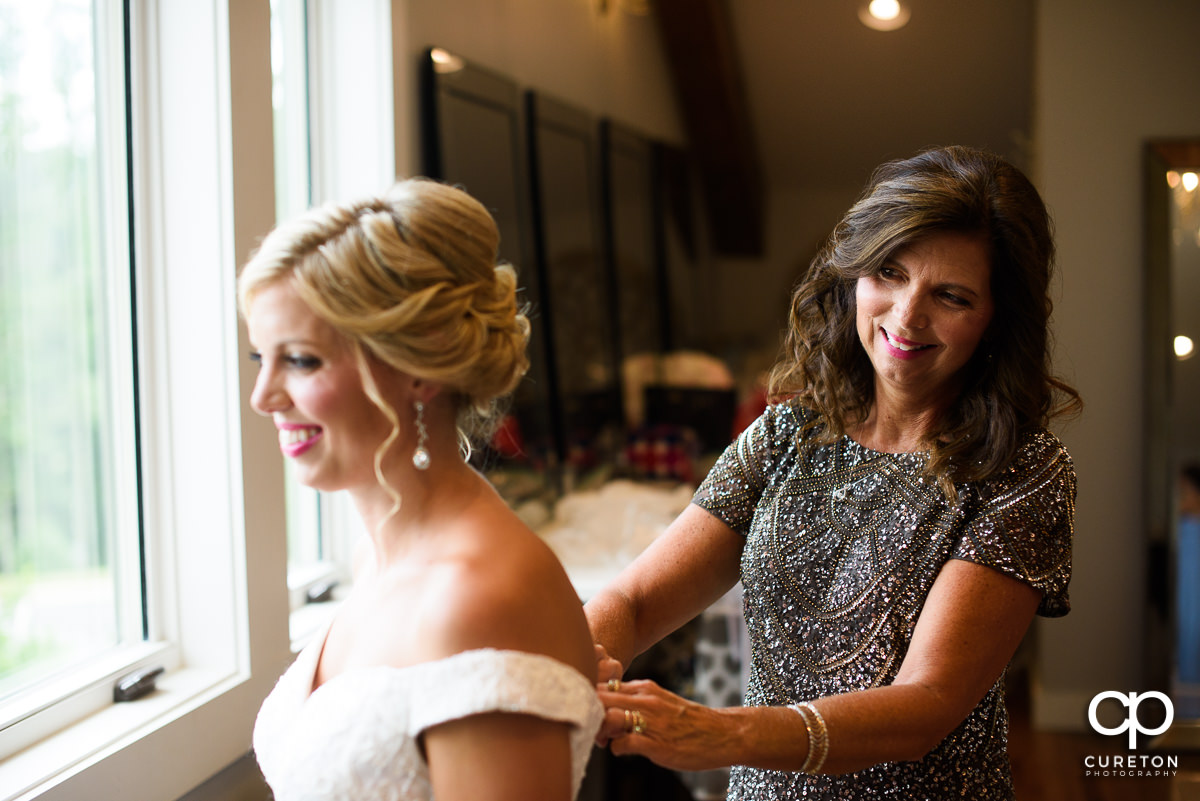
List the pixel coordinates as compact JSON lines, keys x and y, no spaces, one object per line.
{"x":1008,"y":386}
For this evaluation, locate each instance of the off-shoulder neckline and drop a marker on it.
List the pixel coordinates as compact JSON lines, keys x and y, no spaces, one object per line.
{"x":314,"y":658}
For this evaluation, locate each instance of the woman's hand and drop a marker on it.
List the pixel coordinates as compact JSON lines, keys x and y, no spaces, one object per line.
{"x":642,"y":718}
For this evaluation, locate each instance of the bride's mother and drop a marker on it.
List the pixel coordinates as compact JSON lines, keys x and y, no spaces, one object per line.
{"x":896,"y":519}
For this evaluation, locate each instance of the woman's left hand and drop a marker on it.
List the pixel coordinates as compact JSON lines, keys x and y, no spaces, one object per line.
{"x":642,"y":718}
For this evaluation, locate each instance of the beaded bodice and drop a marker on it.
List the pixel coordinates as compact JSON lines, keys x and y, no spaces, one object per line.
{"x":842,"y":546}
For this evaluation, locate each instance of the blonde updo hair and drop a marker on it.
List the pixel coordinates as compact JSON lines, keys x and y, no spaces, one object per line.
{"x":411,"y":278}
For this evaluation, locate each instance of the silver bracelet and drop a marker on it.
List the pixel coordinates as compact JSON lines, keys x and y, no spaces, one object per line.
{"x":818,"y":737}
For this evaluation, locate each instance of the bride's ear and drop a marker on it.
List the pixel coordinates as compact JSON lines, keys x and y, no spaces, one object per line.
{"x":424,"y":390}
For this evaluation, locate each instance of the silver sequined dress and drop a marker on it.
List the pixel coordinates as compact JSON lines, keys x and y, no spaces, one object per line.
{"x":842,"y":547}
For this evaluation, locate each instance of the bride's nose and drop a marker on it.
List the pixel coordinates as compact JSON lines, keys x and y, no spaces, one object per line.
{"x":269,"y":395}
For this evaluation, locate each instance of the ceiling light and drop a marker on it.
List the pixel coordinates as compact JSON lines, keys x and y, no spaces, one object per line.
{"x":883,"y":15}
{"x":1190,"y":181}
{"x":1184,"y":347}
{"x":884,"y":9}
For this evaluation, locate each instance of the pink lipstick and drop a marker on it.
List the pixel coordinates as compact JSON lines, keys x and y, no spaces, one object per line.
{"x":295,"y":438}
{"x":902,"y":348}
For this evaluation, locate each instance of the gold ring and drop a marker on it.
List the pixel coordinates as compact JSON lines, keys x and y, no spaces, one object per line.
{"x":639,"y":723}
{"x":614,"y":685}
{"x":629,"y":724}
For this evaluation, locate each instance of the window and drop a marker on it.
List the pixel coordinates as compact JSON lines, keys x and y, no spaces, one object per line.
{"x":333,"y":133}
{"x":289,"y":102}
{"x":190,"y":578}
{"x":70,"y":566}
{"x":320,"y":528}
{"x":308,"y":550}
{"x":193,"y":576}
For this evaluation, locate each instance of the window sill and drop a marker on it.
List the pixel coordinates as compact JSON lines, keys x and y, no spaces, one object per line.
{"x":61,"y":699}
{"x":118,"y":753}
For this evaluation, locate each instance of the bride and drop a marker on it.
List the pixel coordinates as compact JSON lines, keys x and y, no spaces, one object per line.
{"x":460,"y":666}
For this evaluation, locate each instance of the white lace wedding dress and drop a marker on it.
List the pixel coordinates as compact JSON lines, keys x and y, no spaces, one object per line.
{"x":355,"y":738}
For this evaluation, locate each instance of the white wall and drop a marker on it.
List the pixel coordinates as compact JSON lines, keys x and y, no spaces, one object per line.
{"x":1109,"y":75}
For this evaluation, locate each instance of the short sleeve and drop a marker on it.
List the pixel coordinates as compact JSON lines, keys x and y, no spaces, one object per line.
{"x":488,"y":680}
{"x":476,"y":682}
{"x":732,"y":489}
{"x":1023,"y":523}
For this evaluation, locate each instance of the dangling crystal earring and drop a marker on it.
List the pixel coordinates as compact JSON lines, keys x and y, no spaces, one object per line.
{"x":421,"y":455}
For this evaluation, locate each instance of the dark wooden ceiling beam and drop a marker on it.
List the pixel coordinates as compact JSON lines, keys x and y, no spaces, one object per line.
{"x":703,"y":60}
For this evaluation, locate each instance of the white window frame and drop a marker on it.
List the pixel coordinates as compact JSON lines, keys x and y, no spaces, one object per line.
{"x":213,"y":487}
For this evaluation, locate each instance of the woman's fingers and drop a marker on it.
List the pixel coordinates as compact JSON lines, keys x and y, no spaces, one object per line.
{"x":642,"y":718}
{"x":608,"y":672}
{"x":607,"y":668}
{"x":615,"y":724}
{"x":621,"y":701}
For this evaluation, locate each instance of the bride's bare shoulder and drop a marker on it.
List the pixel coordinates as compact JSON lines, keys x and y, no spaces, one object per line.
{"x":500,"y":586}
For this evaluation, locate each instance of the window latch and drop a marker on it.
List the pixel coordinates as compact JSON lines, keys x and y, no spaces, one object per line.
{"x":133,"y":686}
{"x":321,"y":593}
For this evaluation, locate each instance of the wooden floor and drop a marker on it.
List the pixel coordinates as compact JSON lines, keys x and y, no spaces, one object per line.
{"x":1049,"y":766}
